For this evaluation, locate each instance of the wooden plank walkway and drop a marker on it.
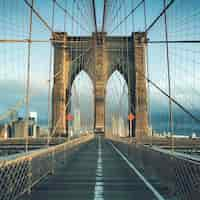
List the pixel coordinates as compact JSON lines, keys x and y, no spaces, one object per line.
{"x":95,"y":172}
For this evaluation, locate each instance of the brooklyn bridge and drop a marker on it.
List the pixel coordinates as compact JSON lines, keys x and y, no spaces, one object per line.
{"x":99,"y":99}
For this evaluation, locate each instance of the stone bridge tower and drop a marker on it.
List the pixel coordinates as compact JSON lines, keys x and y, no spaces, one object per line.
{"x":102,"y":51}
{"x":100,"y":79}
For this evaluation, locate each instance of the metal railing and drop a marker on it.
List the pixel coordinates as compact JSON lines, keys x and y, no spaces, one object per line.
{"x":178,"y":177}
{"x":19,"y":175}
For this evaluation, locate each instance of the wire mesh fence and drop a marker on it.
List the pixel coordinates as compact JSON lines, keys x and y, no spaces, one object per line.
{"x":18,"y":176}
{"x":172,"y":174}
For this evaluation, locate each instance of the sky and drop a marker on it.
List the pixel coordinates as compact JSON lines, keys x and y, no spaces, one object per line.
{"x":184,"y":15}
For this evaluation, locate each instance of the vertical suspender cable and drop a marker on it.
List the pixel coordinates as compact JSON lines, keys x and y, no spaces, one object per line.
{"x":64,"y":62}
{"x":133,"y":31}
{"x":71,"y":64}
{"x":79,"y":68}
{"x":28,"y":78}
{"x":128,"y":72}
{"x":122,"y":53}
{"x":50,"y":73}
{"x":148,"y":73}
{"x":169,"y":77}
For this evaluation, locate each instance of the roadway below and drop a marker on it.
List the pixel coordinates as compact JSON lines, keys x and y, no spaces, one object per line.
{"x":97,"y":172}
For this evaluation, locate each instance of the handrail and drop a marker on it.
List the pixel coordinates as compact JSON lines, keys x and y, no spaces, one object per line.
{"x":177,"y":172}
{"x":20,"y":174}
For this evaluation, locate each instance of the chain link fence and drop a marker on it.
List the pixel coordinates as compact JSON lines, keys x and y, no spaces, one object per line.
{"x":19,"y":175}
{"x":174,"y":175}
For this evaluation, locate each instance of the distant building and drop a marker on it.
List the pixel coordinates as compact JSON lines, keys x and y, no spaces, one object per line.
{"x":4,"y":131}
{"x":17,"y":128}
{"x":77,"y":122}
{"x":114,"y":125}
{"x":33,"y":116}
{"x":121,"y":128}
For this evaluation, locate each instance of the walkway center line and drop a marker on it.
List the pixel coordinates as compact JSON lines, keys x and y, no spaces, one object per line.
{"x":99,"y":185}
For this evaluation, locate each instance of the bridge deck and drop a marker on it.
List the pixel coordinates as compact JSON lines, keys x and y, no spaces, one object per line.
{"x":95,"y":172}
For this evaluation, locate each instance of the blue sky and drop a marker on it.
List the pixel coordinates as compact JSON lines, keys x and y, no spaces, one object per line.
{"x":183,"y":24}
